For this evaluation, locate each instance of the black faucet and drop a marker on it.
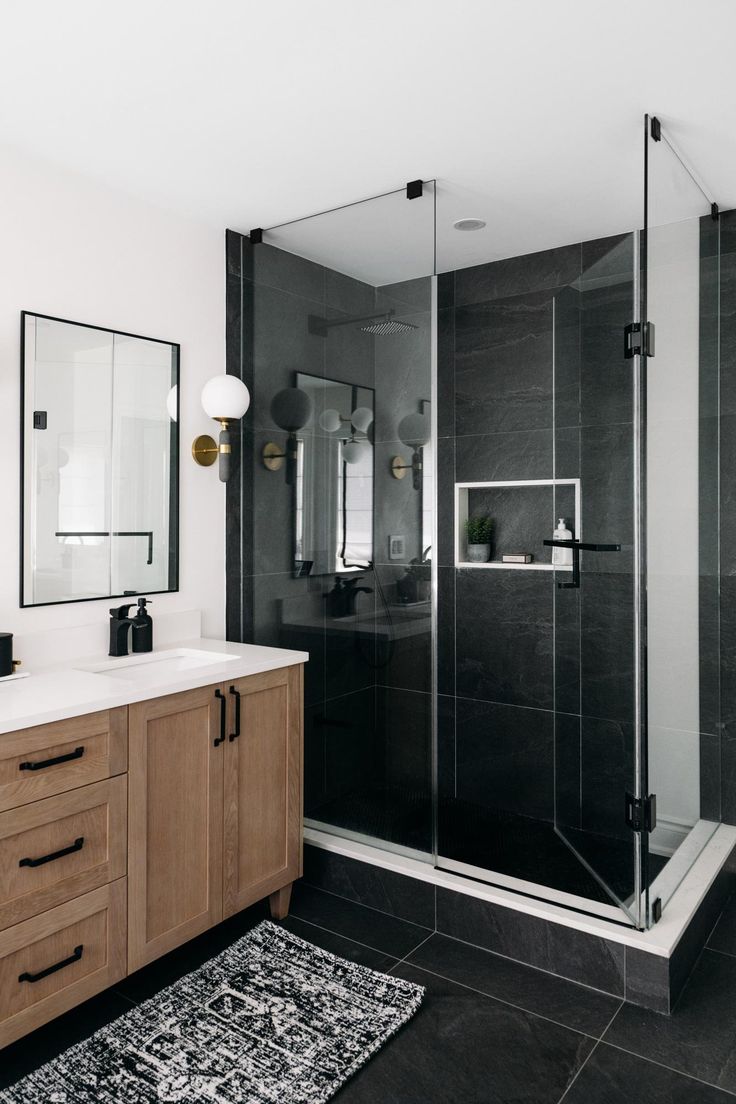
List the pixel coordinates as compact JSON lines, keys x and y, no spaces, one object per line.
{"x":351,"y":594}
{"x":119,"y":628}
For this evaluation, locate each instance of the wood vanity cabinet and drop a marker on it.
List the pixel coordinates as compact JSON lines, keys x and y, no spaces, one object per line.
{"x":215,"y":807}
{"x":125,"y":833}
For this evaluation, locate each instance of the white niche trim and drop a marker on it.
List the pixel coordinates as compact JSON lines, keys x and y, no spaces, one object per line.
{"x":461,"y":515}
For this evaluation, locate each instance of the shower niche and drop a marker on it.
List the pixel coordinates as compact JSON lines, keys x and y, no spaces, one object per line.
{"x":523,"y":513}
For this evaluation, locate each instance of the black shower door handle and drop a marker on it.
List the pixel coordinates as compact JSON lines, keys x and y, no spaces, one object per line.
{"x":576,"y":547}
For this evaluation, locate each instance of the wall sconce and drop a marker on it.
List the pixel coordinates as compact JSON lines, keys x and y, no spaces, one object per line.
{"x":226,"y":399}
{"x":414,"y":432}
{"x":291,"y":409}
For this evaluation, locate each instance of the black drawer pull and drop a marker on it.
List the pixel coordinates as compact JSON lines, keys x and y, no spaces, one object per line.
{"x":41,"y":763}
{"x":223,"y":718}
{"x":236,"y":694}
{"x":76,"y":846}
{"x":75,"y":957}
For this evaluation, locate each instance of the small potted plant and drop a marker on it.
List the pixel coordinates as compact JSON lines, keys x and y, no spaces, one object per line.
{"x":479,"y":530}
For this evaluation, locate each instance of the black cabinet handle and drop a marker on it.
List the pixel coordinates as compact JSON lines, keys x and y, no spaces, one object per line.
{"x":76,"y":846}
{"x":223,"y":718}
{"x":236,"y":694}
{"x":75,"y":957}
{"x":41,"y":763}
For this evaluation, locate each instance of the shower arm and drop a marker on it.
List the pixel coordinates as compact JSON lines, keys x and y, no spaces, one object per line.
{"x":321,"y":326}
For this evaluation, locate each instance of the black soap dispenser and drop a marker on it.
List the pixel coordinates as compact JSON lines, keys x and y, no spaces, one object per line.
{"x":142,"y":625}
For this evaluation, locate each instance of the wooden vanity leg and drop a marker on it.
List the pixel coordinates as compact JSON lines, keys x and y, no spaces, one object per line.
{"x":279,"y":902}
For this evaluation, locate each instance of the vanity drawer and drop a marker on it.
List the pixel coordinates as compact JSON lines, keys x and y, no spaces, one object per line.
{"x":50,"y":759}
{"x":61,"y":847}
{"x":59,"y":959}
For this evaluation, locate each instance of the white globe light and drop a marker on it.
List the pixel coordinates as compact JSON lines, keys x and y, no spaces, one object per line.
{"x":361,"y":418}
{"x":225,"y":397}
{"x":329,"y":420}
{"x":353,"y":451}
{"x":171,"y":402}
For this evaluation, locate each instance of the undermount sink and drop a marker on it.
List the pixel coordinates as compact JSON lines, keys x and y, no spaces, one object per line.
{"x":152,"y":666}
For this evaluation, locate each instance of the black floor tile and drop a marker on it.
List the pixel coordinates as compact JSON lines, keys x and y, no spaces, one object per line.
{"x":612,"y":1076}
{"x":723,"y":936}
{"x":165,"y":971}
{"x":567,"y":1003}
{"x":363,"y":925}
{"x":465,"y":1047}
{"x":21,"y":1058}
{"x":339,"y":945}
{"x":699,"y":1038}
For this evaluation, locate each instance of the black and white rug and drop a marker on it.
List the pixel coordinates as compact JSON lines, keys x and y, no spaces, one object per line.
{"x":271,"y":1020}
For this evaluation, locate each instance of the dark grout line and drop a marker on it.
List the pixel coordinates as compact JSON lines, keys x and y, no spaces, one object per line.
{"x":498,"y":1000}
{"x":672,"y":1069}
{"x":348,"y":938}
{"x":531,"y":966}
{"x":372,"y":908}
{"x":592,"y":1052}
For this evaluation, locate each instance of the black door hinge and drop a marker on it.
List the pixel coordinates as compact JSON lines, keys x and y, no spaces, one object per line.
{"x":641,"y":813}
{"x":414,"y":189}
{"x":656,"y":129}
{"x":40,"y":419}
{"x":657,"y":911}
{"x":633,"y":345}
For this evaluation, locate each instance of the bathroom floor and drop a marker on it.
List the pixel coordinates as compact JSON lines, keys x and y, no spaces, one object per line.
{"x":490,"y":1031}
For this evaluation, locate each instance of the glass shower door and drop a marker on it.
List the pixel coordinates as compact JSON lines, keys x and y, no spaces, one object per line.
{"x":596,"y":583}
{"x":681,"y":500}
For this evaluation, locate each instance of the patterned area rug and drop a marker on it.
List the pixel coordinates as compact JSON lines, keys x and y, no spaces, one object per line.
{"x":271,"y":1019}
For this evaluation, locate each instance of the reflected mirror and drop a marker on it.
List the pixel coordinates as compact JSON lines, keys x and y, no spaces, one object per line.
{"x":99,"y":467}
{"x":334,"y":479}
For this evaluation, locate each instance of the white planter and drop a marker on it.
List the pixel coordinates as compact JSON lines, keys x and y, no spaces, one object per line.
{"x":479,"y":553}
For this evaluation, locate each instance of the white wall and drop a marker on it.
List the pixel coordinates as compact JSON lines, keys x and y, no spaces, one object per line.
{"x":73,"y":248}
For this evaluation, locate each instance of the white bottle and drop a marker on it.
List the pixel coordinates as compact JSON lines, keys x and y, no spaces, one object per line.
{"x":561,"y":557}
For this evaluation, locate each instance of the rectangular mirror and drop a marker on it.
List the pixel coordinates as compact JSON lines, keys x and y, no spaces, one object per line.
{"x":334,"y":479}
{"x":99,"y":462}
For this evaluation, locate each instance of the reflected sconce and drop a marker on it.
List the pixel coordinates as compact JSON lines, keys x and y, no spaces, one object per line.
{"x":353,"y":448}
{"x":414,"y":432}
{"x":226,"y":399}
{"x":172,"y":403}
{"x":291,"y":409}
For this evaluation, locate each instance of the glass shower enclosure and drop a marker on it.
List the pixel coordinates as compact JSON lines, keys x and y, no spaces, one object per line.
{"x":506,"y":714}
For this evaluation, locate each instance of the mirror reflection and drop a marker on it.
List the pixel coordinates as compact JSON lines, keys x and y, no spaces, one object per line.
{"x":333,"y":514}
{"x":99,"y":462}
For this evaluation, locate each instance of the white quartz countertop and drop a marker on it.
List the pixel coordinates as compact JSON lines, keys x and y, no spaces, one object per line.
{"x":97,"y":682}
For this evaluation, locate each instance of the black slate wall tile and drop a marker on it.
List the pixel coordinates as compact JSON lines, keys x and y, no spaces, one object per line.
{"x":505,"y":758}
{"x":560,"y":950}
{"x":549,"y":268}
{"x":407,"y":898}
{"x":504,"y":636}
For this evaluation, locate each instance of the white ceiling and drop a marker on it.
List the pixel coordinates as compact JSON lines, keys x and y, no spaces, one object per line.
{"x":528,"y":112}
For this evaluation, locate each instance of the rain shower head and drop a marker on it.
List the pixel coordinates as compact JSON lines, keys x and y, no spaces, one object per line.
{"x":389,"y":325}
{"x":380,"y":325}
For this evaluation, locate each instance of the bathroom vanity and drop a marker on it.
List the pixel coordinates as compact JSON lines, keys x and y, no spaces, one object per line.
{"x":171,"y":799}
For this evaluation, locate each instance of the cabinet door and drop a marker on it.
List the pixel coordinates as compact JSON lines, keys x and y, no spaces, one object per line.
{"x":263,"y":787}
{"x":175,"y":821}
